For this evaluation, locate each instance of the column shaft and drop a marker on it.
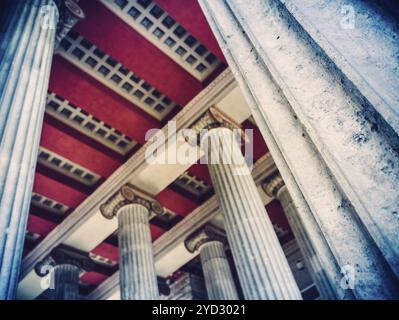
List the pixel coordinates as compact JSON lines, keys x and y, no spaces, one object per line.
{"x":262,"y":267}
{"x":26,"y":53}
{"x":312,"y":261}
{"x":330,"y":211}
{"x":66,"y":282}
{"x":218,"y":278}
{"x":138,"y":280}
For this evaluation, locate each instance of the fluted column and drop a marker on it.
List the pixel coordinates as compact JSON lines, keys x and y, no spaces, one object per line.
{"x":28,"y":31}
{"x":62,"y":268}
{"x":136,"y":262}
{"x":133,"y":208}
{"x":262,"y":267}
{"x":25,"y":54}
{"x":218,"y":277}
{"x":324,"y":128}
{"x":274,"y":186}
{"x":66,"y":282}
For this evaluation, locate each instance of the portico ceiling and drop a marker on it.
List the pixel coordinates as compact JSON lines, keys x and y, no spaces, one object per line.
{"x":128,"y":67}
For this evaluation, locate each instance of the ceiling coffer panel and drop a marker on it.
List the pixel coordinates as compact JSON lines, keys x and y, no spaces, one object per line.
{"x":111,"y":73}
{"x":163,"y":31}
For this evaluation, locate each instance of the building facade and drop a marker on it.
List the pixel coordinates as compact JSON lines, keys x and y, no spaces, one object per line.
{"x":199,"y":149}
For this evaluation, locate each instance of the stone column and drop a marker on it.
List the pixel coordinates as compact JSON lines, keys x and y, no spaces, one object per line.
{"x":25,"y":54}
{"x":262,"y":267}
{"x":274,"y":186}
{"x":332,"y":149}
{"x":63,"y":267}
{"x":218,"y":277}
{"x":66,"y":282}
{"x":133,"y":208}
{"x":26,"y":48}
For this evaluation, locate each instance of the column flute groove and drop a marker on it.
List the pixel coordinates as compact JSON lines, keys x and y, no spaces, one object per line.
{"x":262,"y":267}
{"x":218,"y":277}
{"x":28,"y":37}
{"x":66,"y":281}
{"x":24,"y":69}
{"x":274,"y":186}
{"x":134,"y":208}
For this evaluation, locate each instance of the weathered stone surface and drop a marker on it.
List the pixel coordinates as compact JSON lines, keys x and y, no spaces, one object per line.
{"x":25,"y":53}
{"x":218,"y":278}
{"x":265,"y":70}
{"x":275,"y":187}
{"x":210,"y":242}
{"x":66,"y":282}
{"x":256,"y":250}
{"x":138,"y":280}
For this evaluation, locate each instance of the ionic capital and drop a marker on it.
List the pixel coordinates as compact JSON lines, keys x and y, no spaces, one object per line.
{"x":65,"y":255}
{"x":69,"y":14}
{"x":203,"y":235}
{"x":211,"y":119}
{"x":126,"y":195}
{"x":273,"y":184}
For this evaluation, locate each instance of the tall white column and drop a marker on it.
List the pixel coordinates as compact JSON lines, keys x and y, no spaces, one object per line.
{"x":330,"y":145}
{"x":28,"y":30}
{"x":218,"y":277}
{"x":275,"y":187}
{"x":138,"y":280}
{"x":66,"y":282}
{"x":25,"y":54}
{"x":262,"y":267}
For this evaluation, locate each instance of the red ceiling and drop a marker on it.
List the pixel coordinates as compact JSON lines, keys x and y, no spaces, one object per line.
{"x":85,"y":92}
{"x":94,"y":278}
{"x":112,"y":35}
{"x":276,"y":214}
{"x":57,"y":191}
{"x":106,"y":250}
{"x":189,"y":14}
{"x":39,"y":225}
{"x":88,"y":157}
{"x":124,"y":44}
{"x":176,"y":202}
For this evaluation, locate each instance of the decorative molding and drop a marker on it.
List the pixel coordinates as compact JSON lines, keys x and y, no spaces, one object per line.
{"x":192,"y":186}
{"x":46,"y":203}
{"x":107,"y":70}
{"x":66,"y":167}
{"x":65,"y":255}
{"x":273,"y":184}
{"x":69,"y":15}
{"x":203,"y":235}
{"x":102,"y":260}
{"x":158,"y":27}
{"x":128,"y":194}
{"x":212,"y":118}
{"x":77,"y":118}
